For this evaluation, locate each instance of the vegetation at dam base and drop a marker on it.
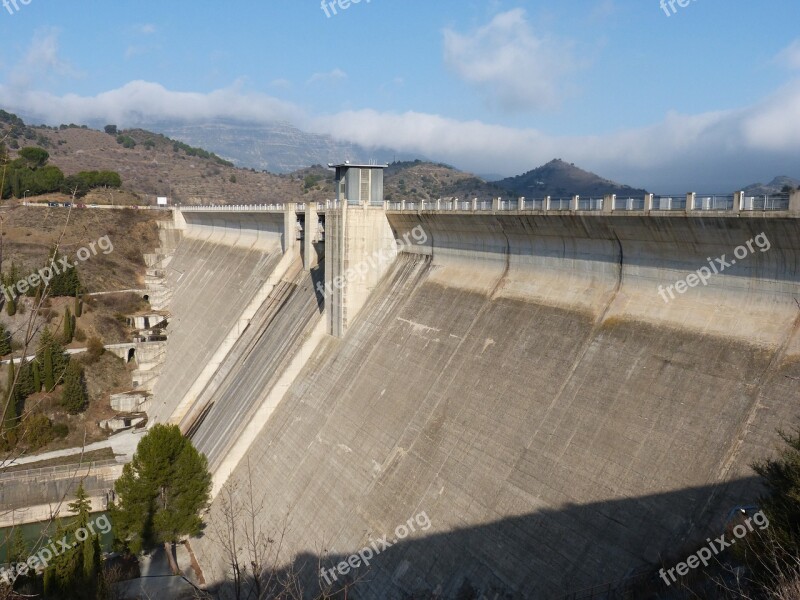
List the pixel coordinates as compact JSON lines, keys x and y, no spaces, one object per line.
{"x":161,"y":492}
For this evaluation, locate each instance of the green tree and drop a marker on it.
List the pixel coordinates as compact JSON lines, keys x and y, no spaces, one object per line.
{"x":11,"y":415}
{"x":161,"y":491}
{"x":11,"y":306}
{"x":49,"y":377}
{"x":79,"y":306}
{"x":52,"y":358}
{"x":5,"y":340}
{"x":110,"y":129}
{"x":37,"y":377}
{"x":74,"y":573}
{"x":777,"y":548}
{"x":34,"y":157}
{"x":25,"y":383}
{"x":68,"y":331}
{"x":73,"y":395}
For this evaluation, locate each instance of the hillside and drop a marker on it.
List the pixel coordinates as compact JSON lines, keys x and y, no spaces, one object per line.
{"x":418,"y":180}
{"x":776,"y":186}
{"x":153,"y":165}
{"x":561,"y":179}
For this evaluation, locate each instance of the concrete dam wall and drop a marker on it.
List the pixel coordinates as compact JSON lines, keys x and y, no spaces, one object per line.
{"x":520,"y":380}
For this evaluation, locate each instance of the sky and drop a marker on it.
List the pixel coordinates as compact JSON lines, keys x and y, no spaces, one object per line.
{"x":702,"y":97}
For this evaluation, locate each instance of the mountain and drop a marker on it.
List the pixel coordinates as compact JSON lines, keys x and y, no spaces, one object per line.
{"x":151,"y":164}
{"x":776,"y":186}
{"x":421,"y":180}
{"x":561,"y":179}
{"x":274,"y":147}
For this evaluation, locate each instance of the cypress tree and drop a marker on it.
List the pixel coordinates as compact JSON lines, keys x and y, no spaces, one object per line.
{"x":37,"y":377}
{"x":11,"y":306}
{"x":58,"y":358}
{"x":73,"y":395}
{"x":5,"y":340}
{"x":10,"y":419}
{"x":67,"y":334}
{"x":79,"y":306}
{"x":49,"y":380}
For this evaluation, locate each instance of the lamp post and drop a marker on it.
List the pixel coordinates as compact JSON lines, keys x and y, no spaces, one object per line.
{"x":24,"y":196}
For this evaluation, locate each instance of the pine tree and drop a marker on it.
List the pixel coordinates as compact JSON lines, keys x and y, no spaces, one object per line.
{"x":73,"y":395}
{"x":161,"y":491}
{"x":25,"y":385}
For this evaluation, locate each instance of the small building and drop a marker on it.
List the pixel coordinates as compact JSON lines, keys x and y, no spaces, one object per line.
{"x":359,"y":184}
{"x":162,"y":201}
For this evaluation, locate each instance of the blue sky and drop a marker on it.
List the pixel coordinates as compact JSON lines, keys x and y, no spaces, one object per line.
{"x":706,"y":97}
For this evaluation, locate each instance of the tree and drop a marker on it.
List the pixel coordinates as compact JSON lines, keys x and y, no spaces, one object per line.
{"x":49,"y":378}
{"x":161,"y":491}
{"x":74,"y":573}
{"x":68,"y":332}
{"x":110,"y":129}
{"x":79,"y":306}
{"x":51,"y":357}
{"x":73,"y":396}
{"x":11,"y":306}
{"x":10,"y":415}
{"x":5,"y":340}
{"x":34,"y":156}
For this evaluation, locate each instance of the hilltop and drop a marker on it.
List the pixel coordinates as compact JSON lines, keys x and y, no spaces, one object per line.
{"x":778,"y":185}
{"x":561,"y":179}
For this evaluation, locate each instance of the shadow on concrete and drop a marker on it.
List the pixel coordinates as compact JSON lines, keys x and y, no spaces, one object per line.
{"x":610,"y":549}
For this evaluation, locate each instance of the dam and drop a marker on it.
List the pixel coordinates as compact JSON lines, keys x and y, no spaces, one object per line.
{"x":507,"y":369}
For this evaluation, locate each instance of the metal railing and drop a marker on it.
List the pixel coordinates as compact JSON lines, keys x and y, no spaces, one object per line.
{"x":560,"y":203}
{"x":59,"y":470}
{"x":766,"y":203}
{"x":590,"y":204}
{"x":714,"y":203}
{"x":669,"y":202}
{"x":623,"y":204}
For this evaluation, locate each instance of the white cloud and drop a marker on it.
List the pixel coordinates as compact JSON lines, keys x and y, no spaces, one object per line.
{"x":790,"y":56}
{"x":41,"y":61}
{"x":711,"y":152}
{"x":146,"y":29}
{"x":514,"y":68}
{"x":140,"y":101}
{"x":717,"y":150}
{"x":334,"y":76}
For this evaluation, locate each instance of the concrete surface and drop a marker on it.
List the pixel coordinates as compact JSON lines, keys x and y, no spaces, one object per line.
{"x":520,"y":380}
